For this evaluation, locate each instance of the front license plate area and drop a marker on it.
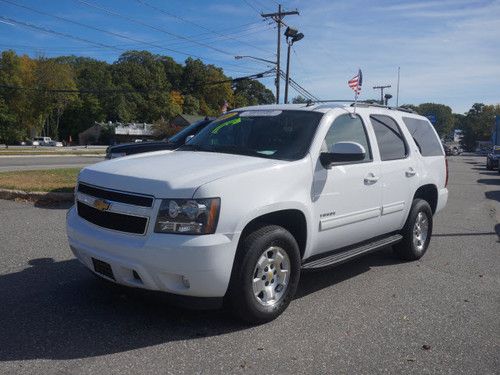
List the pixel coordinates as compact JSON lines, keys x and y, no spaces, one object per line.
{"x":103,"y":268}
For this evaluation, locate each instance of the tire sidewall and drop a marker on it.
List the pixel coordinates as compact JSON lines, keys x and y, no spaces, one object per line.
{"x":242,"y":288}
{"x":419,"y":205}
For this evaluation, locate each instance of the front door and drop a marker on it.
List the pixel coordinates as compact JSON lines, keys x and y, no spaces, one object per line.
{"x":347,"y":197}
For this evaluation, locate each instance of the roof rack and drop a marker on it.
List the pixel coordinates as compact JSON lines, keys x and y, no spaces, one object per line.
{"x":361,"y":103}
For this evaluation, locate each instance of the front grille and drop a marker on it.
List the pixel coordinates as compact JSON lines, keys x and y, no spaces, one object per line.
{"x":113,"y":220}
{"x":134,"y":199}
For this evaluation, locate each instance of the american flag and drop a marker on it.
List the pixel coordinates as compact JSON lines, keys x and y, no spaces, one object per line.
{"x":355,"y":82}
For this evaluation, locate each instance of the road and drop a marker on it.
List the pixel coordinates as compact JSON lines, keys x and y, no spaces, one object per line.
{"x":17,"y":163}
{"x":370,"y":316}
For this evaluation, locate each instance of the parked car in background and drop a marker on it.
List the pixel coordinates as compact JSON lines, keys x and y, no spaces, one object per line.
{"x":492,"y":158}
{"x":452,"y":149}
{"x":55,"y":144}
{"x":42,"y":141}
{"x":171,"y":143}
{"x":258,"y":196}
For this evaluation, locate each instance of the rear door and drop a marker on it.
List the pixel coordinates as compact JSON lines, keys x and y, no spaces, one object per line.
{"x":346,"y":198}
{"x":398,"y":172}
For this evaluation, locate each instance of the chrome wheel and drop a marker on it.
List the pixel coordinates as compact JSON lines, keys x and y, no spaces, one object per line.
{"x":420,"y":231}
{"x":271,"y":276}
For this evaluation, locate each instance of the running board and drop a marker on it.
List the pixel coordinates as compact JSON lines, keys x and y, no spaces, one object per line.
{"x":351,"y":253}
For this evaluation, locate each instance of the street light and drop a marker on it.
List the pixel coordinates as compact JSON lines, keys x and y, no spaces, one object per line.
{"x":256,"y":58}
{"x":275,"y":63}
{"x":292,"y":36}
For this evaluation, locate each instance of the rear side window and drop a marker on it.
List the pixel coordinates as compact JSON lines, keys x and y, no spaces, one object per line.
{"x":391,"y":142}
{"x":424,"y":136}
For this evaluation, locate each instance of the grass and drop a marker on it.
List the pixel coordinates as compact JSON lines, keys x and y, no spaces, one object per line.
{"x":55,"y":180}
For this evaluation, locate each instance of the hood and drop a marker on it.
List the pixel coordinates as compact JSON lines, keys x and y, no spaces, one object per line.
{"x":167,"y":174}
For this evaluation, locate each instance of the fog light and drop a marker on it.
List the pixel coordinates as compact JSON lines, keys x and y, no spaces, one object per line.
{"x":185,"y":281}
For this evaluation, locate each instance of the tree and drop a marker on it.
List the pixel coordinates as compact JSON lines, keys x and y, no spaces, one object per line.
{"x":50,"y":75}
{"x":9,"y":131}
{"x":299,"y":99}
{"x":478,"y":124}
{"x":142,"y":74}
{"x":251,"y":92}
{"x":443,"y":115}
{"x":191,"y":105}
{"x":164,"y":129}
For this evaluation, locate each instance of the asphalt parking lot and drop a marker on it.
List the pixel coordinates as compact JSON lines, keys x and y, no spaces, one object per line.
{"x":439,"y":315}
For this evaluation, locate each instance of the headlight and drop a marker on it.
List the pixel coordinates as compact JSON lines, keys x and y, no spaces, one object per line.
{"x":188,"y":216}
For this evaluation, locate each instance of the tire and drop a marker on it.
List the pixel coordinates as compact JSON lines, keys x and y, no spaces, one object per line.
{"x":489,"y":166}
{"x":275,"y":249}
{"x":414,"y":246}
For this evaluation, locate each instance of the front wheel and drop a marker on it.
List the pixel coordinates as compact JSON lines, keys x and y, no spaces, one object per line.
{"x":416,"y":232}
{"x":489,"y":165}
{"x":265,"y":274}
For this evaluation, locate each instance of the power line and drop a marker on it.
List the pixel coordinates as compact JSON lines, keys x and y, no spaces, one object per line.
{"x":196,"y":24}
{"x":251,"y":6}
{"x":116,"y":14}
{"x":301,"y":90}
{"x":50,"y":31}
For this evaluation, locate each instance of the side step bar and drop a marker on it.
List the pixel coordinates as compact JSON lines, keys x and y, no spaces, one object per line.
{"x":351,"y":253}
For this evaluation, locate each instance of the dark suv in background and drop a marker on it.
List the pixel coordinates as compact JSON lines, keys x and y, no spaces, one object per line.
{"x":492,"y":158}
{"x":171,"y":143}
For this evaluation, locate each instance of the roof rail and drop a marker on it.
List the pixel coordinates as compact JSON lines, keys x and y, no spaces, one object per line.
{"x":361,"y":103}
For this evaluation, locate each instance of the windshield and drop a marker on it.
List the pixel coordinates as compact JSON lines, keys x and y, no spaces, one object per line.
{"x":181,"y":136}
{"x":275,"y":134}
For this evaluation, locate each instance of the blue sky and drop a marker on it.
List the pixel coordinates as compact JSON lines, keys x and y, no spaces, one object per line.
{"x":448,"y":50}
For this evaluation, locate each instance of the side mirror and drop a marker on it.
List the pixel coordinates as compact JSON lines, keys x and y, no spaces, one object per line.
{"x":188,"y":138}
{"x":343,"y":153}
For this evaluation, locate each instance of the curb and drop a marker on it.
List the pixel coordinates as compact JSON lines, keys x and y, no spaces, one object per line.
{"x":36,"y":196}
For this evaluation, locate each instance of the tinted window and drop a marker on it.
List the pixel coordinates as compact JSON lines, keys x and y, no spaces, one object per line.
{"x":347,"y":129}
{"x":424,"y":136}
{"x":390,"y":141}
{"x":275,"y":134}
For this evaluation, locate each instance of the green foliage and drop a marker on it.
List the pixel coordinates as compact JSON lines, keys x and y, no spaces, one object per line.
{"x":251,"y":92}
{"x":299,"y":99}
{"x":10,"y":133}
{"x":478,"y":124}
{"x":444,"y":116}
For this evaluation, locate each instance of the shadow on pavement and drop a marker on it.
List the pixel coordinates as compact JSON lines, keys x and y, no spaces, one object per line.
{"x":59,"y":310}
{"x":489,"y":181}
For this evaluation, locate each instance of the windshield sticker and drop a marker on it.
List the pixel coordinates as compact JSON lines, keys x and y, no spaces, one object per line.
{"x":269,"y":113}
{"x":226,"y":116}
{"x":227,"y":123}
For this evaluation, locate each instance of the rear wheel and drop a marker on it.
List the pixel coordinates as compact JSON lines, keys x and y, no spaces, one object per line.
{"x":265,"y":274}
{"x":416,"y":232}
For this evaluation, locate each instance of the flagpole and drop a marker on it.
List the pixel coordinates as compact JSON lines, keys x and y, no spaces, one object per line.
{"x":355,"y":102}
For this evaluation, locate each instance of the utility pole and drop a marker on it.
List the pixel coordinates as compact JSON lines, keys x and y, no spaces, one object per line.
{"x":278,"y":18}
{"x":381,"y":88}
{"x":397,"y":94}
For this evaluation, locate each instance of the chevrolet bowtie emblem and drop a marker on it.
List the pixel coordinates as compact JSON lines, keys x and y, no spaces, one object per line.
{"x":101,"y":204}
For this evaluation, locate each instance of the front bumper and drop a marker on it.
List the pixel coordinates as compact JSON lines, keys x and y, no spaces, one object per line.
{"x":163,"y":261}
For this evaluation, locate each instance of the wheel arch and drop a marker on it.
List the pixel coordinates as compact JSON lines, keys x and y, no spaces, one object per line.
{"x":429,"y":193}
{"x":293,"y":220}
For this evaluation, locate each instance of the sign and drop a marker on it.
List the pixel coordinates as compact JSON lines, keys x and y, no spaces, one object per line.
{"x":496,"y":133}
{"x":431,"y":117}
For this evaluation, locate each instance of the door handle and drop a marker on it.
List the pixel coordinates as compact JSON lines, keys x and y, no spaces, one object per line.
{"x":410,"y":172}
{"x":371,"y":179}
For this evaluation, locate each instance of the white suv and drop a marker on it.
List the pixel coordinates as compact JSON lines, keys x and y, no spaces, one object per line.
{"x":259,"y":195}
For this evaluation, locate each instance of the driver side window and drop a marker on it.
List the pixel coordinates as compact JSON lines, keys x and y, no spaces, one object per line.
{"x":347,"y":129}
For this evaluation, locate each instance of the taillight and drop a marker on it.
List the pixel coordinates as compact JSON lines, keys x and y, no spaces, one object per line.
{"x":446,"y":165}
